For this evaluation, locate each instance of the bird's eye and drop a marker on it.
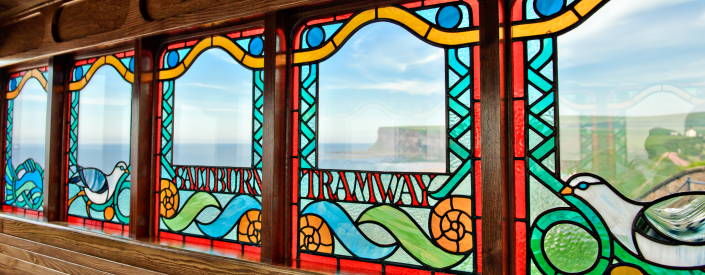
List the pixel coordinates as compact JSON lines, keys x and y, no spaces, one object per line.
{"x":582,"y":186}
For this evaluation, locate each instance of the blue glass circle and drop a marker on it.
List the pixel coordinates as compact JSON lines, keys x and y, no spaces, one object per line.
{"x":549,"y":7}
{"x":13,"y":84}
{"x":78,"y":73}
{"x":132,"y":64}
{"x":582,"y":186}
{"x":256,"y":46}
{"x":448,"y":17}
{"x":172,"y":59}
{"x":315,"y":37}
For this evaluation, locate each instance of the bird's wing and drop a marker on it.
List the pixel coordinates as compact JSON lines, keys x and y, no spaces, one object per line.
{"x":680,"y":218}
{"x":94,"y":180}
{"x":671,"y":255}
{"x":96,"y":198}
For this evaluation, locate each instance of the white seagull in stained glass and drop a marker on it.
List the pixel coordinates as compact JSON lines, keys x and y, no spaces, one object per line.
{"x":667,"y":231}
{"x":97,"y":186}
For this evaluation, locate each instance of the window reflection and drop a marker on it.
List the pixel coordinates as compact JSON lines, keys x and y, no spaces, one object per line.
{"x":381,"y":103}
{"x":632,"y":97}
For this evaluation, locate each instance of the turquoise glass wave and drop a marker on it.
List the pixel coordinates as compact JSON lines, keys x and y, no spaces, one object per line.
{"x":398,"y":223}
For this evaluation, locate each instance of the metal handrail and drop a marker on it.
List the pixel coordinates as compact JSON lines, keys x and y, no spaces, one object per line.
{"x":687,"y":182}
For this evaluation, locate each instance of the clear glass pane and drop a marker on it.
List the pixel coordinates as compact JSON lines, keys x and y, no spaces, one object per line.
{"x":632,"y":96}
{"x":29,"y":124}
{"x":213,"y":113}
{"x":382,"y":102}
{"x":104,"y":114}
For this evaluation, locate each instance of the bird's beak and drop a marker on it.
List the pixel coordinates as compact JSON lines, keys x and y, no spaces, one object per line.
{"x":127,"y":171}
{"x":567,"y":191}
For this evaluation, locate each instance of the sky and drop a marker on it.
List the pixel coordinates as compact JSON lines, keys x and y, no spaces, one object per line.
{"x":632,"y":45}
{"x":383,"y":76}
{"x":629,"y":46}
{"x":29,"y":123}
{"x":213,"y":105}
{"x":104,"y":119}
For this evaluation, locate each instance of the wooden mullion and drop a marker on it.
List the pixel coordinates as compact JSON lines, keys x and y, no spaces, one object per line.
{"x":57,"y":116}
{"x":495,"y":181}
{"x":276,"y":154}
{"x":4,"y":79}
{"x":507,"y":56}
{"x":142,"y":139}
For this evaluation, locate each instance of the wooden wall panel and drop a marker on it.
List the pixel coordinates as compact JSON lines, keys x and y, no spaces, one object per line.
{"x":160,"y":9}
{"x":89,"y":17}
{"x":22,"y":36}
{"x":142,"y":254}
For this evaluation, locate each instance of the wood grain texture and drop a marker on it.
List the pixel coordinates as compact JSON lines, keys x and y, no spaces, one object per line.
{"x":507,"y":49}
{"x":20,"y":8}
{"x":275,"y":157}
{"x":136,"y":26}
{"x":142,"y":179}
{"x":27,"y":268}
{"x":160,"y":9}
{"x":9,"y":270}
{"x":46,"y":261}
{"x":147,"y":255}
{"x":89,"y":17}
{"x":495,"y":235}
{"x":54,"y":174}
{"x":73,"y":257}
{"x":22,"y":36}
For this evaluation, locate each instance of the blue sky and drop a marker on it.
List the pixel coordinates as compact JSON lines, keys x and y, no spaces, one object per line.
{"x":104,"y":118}
{"x":213,"y":105}
{"x":637,"y":43}
{"x":104,"y":108}
{"x":29,"y":123}
{"x":632,"y":46}
{"x":383,"y":76}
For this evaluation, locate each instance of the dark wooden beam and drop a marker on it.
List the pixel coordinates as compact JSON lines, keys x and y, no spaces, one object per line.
{"x":495,"y":196}
{"x":275,"y":158}
{"x":220,"y":14}
{"x":54,"y":171}
{"x":508,"y":105}
{"x":4,"y":76}
{"x":142,"y":139}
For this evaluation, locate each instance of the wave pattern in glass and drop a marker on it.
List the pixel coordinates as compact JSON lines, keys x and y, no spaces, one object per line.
{"x":386,"y":121}
{"x":25,"y":139}
{"x":211,"y":199}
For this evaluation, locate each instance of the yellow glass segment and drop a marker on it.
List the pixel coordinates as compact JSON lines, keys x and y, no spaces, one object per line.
{"x":228,"y":46}
{"x":355,"y":22}
{"x":303,"y":57}
{"x":405,"y":18}
{"x":554,"y":25}
{"x":586,"y":6}
{"x":453,"y":38}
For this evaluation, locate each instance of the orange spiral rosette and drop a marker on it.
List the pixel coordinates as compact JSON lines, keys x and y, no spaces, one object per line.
{"x":315,"y":235}
{"x":168,"y":198}
{"x":451,"y":225}
{"x":250,"y":226}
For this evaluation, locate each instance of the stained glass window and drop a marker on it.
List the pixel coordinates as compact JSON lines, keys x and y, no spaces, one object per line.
{"x":25,"y":141}
{"x":100,"y":113}
{"x":607,"y":113}
{"x":210,"y":142}
{"x":385,"y":152}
